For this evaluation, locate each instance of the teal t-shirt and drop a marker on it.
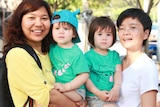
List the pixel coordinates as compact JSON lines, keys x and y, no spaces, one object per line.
{"x":67,"y":63}
{"x":102,"y":69}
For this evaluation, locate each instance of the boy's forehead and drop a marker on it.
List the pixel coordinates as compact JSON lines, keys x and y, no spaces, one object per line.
{"x":65,"y":24}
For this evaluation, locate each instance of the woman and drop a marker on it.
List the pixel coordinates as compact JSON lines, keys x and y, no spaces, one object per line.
{"x":30,"y":24}
{"x":140,"y":75}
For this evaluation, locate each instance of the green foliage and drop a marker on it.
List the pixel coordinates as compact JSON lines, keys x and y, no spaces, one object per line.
{"x":75,"y":4}
{"x":98,"y":4}
{"x":110,"y":8}
{"x":116,"y":8}
{"x":67,"y":4}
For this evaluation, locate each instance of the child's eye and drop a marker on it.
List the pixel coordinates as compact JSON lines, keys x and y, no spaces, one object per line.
{"x":56,"y":28}
{"x":109,"y":34}
{"x":99,"y":34}
{"x":66,"y":28}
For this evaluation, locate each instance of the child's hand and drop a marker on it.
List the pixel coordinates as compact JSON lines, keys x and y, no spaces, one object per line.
{"x":62,"y":87}
{"x":114,"y":94}
{"x":103,"y":95}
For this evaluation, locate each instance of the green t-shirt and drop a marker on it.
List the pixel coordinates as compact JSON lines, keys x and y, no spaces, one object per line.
{"x":67,"y":63}
{"x":102,"y":69}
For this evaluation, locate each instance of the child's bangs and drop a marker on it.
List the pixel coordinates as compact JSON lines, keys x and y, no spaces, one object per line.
{"x":65,"y":24}
{"x":106,"y":28}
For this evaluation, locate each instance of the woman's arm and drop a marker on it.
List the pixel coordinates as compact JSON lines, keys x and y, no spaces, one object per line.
{"x":148,"y":99}
{"x":18,"y":74}
{"x":58,"y":99}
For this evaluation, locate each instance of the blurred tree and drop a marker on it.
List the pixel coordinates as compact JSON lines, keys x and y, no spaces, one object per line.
{"x":74,"y":4}
{"x":140,"y":4}
{"x":96,"y":4}
{"x":149,"y":6}
{"x":67,"y":4}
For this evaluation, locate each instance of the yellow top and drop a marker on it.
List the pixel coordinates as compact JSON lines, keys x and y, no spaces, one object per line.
{"x":27,"y":79}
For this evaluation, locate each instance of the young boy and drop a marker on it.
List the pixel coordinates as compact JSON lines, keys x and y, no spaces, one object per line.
{"x":69,"y":65}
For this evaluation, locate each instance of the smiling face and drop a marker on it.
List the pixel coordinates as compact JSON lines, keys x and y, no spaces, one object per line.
{"x":36,"y":25}
{"x":132,"y":34}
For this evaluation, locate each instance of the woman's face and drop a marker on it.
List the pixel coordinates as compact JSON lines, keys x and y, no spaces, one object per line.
{"x":36,"y":25}
{"x":131,"y":34}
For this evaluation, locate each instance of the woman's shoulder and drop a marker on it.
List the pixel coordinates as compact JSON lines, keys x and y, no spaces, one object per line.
{"x":148,"y":62}
{"x":17,"y":52}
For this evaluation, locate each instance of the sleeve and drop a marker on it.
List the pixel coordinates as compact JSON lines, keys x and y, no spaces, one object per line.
{"x":26,"y":77}
{"x":51,"y":52}
{"x":149,"y":78}
{"x":87,"y":56}
{"x":117,"y":58}
{"x":80,"y":64}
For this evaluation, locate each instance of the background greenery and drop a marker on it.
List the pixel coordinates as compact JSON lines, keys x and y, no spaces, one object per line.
{"x":110,"y":8}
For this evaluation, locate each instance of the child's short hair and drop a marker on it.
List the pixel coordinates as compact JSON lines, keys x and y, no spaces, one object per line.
{"x":66,"y":16}
{"x":101,"y":23}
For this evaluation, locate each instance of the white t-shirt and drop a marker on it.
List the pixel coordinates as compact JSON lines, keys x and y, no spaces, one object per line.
{"x":138,"y":78}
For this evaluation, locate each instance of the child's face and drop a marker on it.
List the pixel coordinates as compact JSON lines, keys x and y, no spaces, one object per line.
{"x":132,"y":34}
{"x":103,"y":39}
{"x":62,"y":34}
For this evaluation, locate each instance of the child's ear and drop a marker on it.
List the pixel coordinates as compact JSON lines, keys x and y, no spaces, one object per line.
{"x":73,"y":36}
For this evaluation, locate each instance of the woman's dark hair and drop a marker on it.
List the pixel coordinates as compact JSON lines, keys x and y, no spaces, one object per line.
{"x":101,"y":23}
{"x":138,"y":14}
{"x":14,"y":34}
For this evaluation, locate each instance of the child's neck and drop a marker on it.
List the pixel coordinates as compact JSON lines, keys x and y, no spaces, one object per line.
{"x":101,"y":51}
{"x":69,"y":45}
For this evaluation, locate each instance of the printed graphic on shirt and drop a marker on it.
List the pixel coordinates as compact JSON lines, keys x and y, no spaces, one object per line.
{"x":104,"y":73}
{"x":61,"y":71}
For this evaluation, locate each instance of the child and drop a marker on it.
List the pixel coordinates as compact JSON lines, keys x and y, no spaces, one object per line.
{"x":69,"y":65}
{"x":105,"y":66}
